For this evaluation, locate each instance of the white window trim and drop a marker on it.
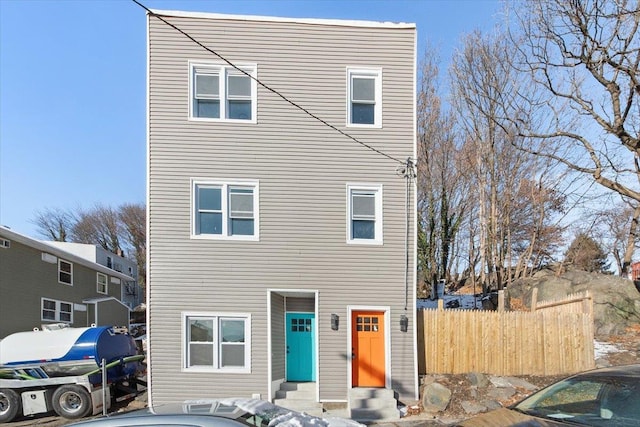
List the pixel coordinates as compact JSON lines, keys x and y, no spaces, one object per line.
{"x":106,"y":283}
{"x":225,"y":184}
{"x":376,"y":73}
{"x":377,"y":188}
{"x":57,"y":311}
{"x":216,"y":315}
{"x":223,"y":70}
{"x":60,"y":260}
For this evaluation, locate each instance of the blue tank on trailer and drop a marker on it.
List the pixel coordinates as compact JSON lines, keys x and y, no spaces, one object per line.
{"x":71,"y":351}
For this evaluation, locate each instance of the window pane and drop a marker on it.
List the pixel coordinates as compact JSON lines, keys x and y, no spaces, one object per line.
{"x":364,"y":89}
{"x":48,"y":315}
{"x":242,"y":227}
{"x":201,"y":330}
{"x":210,"y":223}
{"x":65,"y":277}
{"x":49,"y":305}
{"x":231,"y":355}
{"x":238,"y":86}
{"x":200,"y":354}
{"x":363,"y":229}
{"x":239,"y":109}
{"x":232,"y":330}
{"x":65,"y":266}
{"x":363,"y":113}
{"x":241,"y":203}
{"x":209,"y":199}
{"x":65,"y":307}
{"x":65,"y":317}
{"x":207,"y":85}
{"x":209,"y":108}
{"x":364,"y":206}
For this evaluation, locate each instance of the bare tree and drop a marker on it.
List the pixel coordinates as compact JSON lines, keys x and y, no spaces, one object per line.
{"x":54,"y":224}
{"x":99,"y":225}
{"x":581,"y":60}
{"x":133,"y":218}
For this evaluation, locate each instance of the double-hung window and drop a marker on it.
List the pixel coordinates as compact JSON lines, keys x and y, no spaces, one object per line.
{"x":56,"y":311}
{"x":364,"y":214}
{"x":222,"y":92}
{"x":101,"y":283}
{"x":364,"y":97}
{"x":225,"y":210}
{"x":65,"y":272}
{"x":217,"y":342}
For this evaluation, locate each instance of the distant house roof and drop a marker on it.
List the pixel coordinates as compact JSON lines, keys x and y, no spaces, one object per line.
{"x":9,"y":234}
{"x":311,"y":21}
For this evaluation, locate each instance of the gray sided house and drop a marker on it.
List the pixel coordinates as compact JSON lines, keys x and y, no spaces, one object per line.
{"x":42,"y":284}
{"x":131,"y":292}
{"x":280,"y":251}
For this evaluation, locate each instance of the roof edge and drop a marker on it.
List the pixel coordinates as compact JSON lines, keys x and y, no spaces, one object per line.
{"x":258,"y":18}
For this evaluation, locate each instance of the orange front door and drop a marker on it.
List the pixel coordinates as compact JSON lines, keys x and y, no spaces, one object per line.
{"x":368,"y":360}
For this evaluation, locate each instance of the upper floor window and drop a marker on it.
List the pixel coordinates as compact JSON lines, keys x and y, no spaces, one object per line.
{"x":65,"y":272}
{"x":225,"y":209}
{"x":56,"y":311}
{"x":217,"y":342}
{"x":101,"y":283}
{"x":364,"y":97}
{"x":221,"y":92}
{"x":364,"y":214}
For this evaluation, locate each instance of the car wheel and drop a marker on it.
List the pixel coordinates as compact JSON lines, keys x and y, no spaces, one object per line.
{"x":71,"y":401}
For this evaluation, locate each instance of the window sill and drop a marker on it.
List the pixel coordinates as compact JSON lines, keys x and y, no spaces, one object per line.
{"x":225,"y":238}
{"x":212,"y":120}
{"x":204,"y":369}
{"x":365,"y":242}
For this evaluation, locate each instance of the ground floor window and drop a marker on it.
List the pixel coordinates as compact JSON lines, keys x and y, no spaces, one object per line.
{"x":56,"y":311}
{"x":217,"y":342}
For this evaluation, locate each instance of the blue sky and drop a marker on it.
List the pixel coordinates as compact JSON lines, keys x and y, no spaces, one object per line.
{"x":73,"y":88}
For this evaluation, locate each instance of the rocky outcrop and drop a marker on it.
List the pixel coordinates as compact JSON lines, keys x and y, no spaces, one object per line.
{"x":616,"y":301}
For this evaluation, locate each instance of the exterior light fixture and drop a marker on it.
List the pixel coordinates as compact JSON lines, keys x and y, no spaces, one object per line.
{"x":404,"y":323}
{"x":335,"y":322}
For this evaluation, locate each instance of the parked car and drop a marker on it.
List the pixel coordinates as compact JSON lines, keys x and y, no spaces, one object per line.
{"x":601,"y":397}
{"x":216,"y":413}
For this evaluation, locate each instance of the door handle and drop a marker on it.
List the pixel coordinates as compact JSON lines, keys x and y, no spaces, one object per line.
{"x":287,"y":349}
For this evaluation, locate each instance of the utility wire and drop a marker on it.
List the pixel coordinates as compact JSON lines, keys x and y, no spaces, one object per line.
{"x":274,"y":91}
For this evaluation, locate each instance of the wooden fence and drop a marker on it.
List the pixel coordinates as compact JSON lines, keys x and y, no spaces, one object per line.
{"x":554,"y":338}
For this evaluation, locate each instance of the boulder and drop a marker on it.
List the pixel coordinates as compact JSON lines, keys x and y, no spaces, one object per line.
{"x":616,"y":301}
{"x":435,"y":397}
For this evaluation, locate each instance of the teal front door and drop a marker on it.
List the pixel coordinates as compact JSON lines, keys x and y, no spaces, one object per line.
{"x":301,"y":351}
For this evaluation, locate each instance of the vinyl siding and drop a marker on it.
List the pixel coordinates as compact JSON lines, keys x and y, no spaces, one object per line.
{"x":303,"y":169}
{"x":278,"y":337}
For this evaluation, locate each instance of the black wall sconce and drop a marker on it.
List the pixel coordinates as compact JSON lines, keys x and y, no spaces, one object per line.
{"x":335,"y":322}
{"x":404,"y":323}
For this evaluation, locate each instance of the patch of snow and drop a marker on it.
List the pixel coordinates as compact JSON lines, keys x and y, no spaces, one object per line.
{"x":601,"y":349}
{"x":467,"y":302}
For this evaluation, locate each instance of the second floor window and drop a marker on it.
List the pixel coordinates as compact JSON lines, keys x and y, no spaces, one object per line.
{"x":221,"y":92}
{"x":364,"y":214}
{"x":101,"y":283}
{"x":225,"y":209}
{"x":65,"y":272}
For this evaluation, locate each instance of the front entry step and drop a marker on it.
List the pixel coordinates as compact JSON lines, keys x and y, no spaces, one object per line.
{"x":299,"y":396}
{"x":373,"y":404}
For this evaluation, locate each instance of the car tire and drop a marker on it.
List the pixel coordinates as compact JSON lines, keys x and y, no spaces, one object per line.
{"x":9,"y":405}
{"x":71,"y":401}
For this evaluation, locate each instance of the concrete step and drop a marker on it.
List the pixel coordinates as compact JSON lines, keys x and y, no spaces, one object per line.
{"x":371,"y":415}
{"x":371,"y":393}
{"x":292,"y":386}
{"x":373,"y":403}
{"x":296,"y":394}
{"x":309,"y":407}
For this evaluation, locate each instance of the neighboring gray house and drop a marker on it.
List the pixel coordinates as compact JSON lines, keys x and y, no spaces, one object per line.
{"x":131,"y":292}
{"x":281,"y":251}
{"x":41,"y":283}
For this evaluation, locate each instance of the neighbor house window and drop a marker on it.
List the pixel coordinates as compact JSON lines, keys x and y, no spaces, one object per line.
{"x":364,"y":95}
{"x":101,"y":283}
{"x":217,"y":342}
{"x":222,"y":92}
{"x":364,"y":214}
{"x":57,"y":311}
{"x":225,"y":210}
{"x":65,"y":272}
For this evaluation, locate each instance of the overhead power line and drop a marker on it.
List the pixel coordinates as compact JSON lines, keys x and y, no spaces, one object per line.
{"x":407,"y":163}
